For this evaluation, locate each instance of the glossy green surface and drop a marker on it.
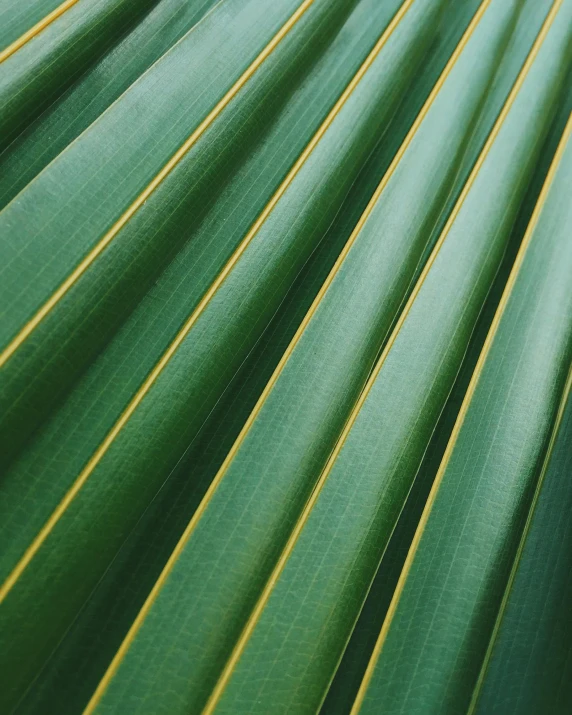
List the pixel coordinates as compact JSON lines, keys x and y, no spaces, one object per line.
{"x":99,"y":631}
{"x":356,"y":115}
{"x":127,"y":147}
{"x":76,"y":430}
{"x":453,"y":586}
{"x":250,"y":253}
{"x":345,"y":331}
{"x":84,"y":557}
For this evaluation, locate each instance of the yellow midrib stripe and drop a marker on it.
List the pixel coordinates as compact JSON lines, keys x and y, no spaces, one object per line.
{"x":83,"y":266}
{"x":36,"y":29}
{"x":171,"y":562}
{"x":468,"y":395}
{"x":122,"y":421}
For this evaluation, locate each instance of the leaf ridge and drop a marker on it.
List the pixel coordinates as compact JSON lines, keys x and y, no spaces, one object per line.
{"x":351,"y":240}
{"x":217,"y":692}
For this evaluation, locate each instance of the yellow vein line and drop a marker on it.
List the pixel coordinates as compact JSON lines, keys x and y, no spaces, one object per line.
{"x":555,"y":430}
{"x":36,"y":29}
{"x":70,"y":281}
{"x":168,"y":354}
{"x":208,"y":496}
{"x":465,"y":405}
{"x":305,"y":515}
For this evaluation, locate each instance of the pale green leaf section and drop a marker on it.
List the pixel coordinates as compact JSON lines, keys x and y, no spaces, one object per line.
{"x":74,"y":670}
{"x":19,"y":20}
{"x":324,"y":176}
{"x":343,"y":690}
{"x":75,"y":431}
{"x":277,"y":460}
{"x":253,"y":259}
{"x":230,"y":544}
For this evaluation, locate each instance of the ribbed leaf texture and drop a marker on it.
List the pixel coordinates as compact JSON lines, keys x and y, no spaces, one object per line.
{"x":286,"y":357}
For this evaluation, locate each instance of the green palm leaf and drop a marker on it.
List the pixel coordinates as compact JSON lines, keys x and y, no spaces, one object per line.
{"x":98,"y":632}
{"x":285,"y":346}
{"x":359,"y":495}
{"x":349,"y":674}
{"x":65,"y":274}
{"x":21,"y":22}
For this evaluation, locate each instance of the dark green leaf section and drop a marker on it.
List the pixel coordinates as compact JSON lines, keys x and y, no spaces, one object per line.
{"x":530,"y":670}
{"x":95,"y":91}
{"x":127,"y":474}
{"x":18,"y":18}
{"x":438,"y":629}
{"x":297,"y":634}
{"x":127,"y":148}
{"x":32,"y":77}
{"x":81,"y":660}
{"x":344,"y":688}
